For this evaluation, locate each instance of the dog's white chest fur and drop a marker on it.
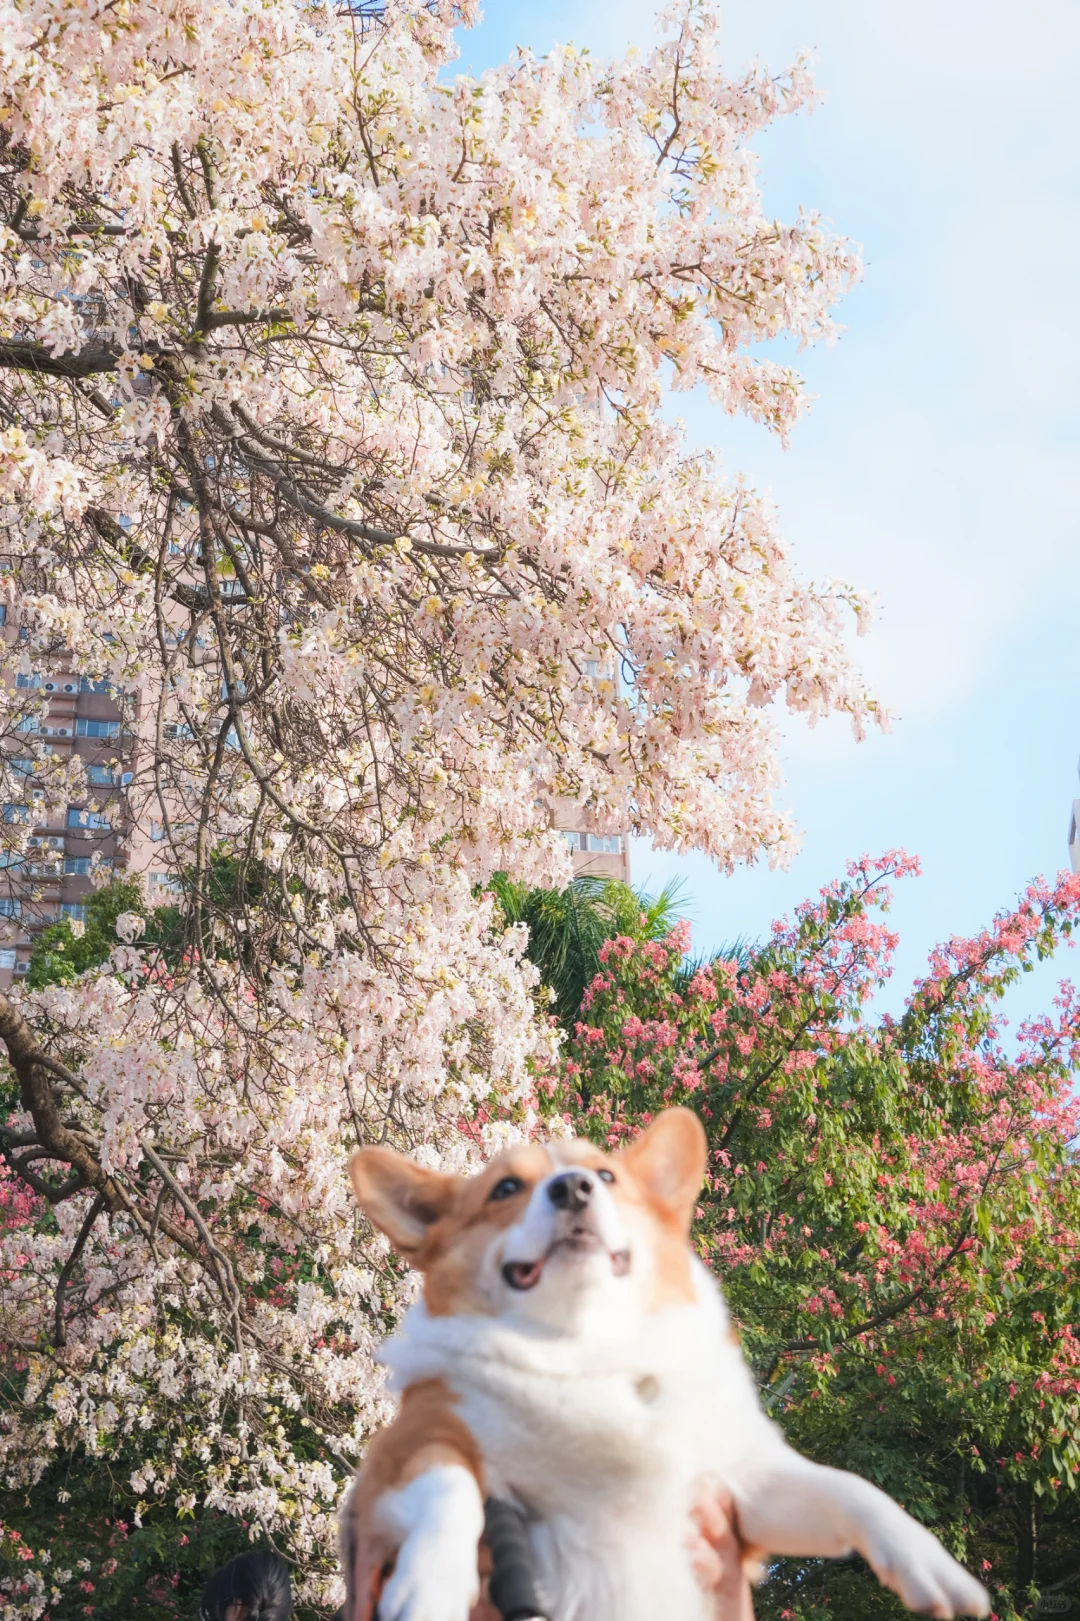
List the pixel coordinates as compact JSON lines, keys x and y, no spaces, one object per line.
{"x":603,"y":1438}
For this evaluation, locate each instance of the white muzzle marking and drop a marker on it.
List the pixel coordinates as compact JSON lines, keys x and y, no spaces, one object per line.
{"x":570,"y":1213}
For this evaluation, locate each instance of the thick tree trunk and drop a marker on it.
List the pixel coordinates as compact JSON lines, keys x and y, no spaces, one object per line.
{"x":1026,"y":1538}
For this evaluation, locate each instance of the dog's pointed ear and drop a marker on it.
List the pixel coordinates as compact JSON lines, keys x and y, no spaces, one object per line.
{"x":669,"y":1159}
{"x":399,"y":1197}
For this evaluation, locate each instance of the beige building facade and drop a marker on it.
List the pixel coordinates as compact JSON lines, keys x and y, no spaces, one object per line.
{"x":596,"y":855}
{"x":52,"y":851}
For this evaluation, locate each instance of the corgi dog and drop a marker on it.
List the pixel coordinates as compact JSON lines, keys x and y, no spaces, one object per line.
{"x":571,"y":1353}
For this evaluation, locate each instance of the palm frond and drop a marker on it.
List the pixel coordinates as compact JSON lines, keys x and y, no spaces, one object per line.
{"x":568,"y":927}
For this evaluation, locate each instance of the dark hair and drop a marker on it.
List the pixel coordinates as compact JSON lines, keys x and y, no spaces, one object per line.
{"x":259,"y":1581}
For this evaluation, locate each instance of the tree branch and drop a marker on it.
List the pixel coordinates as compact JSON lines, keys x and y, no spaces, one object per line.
{"x":36,"y":357}
{"x":193,"y":597}
{"x":887,"y":1313}
{"x":59,"y":1328}
{"x":202,"y":150}
{"x":203,"y":315}
{"x":33,"y":1068}
{"x":89,"y":229}
{"x":298,"y":497}
{"x":219,"y":1264}
{"x":181,"y":183}
{"x":242,"y":318}
{"x":28,"y":1060}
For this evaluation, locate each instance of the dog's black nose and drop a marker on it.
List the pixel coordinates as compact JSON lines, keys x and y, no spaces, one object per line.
{"x":570,"y":1191}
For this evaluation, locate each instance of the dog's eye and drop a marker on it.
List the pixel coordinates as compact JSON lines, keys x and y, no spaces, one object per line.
{"x":507,"y":1187}
{"x":606,"y":1176}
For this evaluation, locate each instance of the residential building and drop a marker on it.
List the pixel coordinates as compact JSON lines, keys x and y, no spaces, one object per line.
{"x":53,"y":851}
{"x":599,"y":855}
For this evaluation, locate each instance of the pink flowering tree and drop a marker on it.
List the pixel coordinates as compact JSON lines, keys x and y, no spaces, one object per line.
{"x":893,"y":1206}
{"x":332,"y":438}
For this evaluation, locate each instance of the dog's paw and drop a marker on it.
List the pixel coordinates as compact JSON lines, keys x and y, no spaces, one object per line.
{"x":440,"y":1517}
{"x":433,"y":1580}
{"x":908,"y":1558}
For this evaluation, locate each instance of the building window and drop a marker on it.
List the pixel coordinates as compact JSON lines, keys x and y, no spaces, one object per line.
{"x":165,"y":880}
{"x":86,"y":685}
{"x":102,"y":776}
{"x":73,"y":912}
{"x":28,"y":723}
{"x":3,"y":613}
{"x":16,"y":813}
{"x":87,"y":820}
{"x":600,"y":844}
{"x":176,"y":729}
{"x":97,"y":728}
{"x":7,"y":959}
{"x":9,"y":907}
{"x":77,"y":866}
{"x":28,"y":680}
{"x":607,"y":844}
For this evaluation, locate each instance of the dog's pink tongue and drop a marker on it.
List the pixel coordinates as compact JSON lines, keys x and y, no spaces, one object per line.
{"x":522,"y":1274}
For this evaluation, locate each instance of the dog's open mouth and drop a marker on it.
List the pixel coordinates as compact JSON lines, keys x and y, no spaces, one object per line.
{"x":527,"y":1274}
{"x":523,"y":1274}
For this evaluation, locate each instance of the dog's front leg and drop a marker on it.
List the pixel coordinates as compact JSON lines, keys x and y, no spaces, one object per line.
{"x":435,"y":1520}
{"x":418,"y":1504}
{"x":789,"y":1505}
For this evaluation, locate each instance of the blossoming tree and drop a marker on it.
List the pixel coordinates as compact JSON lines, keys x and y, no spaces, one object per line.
{"x":893,"y":1206}
{"x":331,"y":436}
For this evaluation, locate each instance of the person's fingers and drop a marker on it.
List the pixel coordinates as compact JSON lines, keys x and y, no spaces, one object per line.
{"x":717,"y":1555}
{"x":708,"y":1567}
{"x":714,"y":1514}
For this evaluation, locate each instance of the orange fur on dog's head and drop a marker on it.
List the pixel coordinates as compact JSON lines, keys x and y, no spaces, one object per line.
{"x":543,"y":1229}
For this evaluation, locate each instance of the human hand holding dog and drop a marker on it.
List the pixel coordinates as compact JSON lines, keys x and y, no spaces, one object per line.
{"x":719,"y":1557}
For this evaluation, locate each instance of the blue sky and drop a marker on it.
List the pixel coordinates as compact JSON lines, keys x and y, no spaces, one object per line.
{"x":938,"y":467}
